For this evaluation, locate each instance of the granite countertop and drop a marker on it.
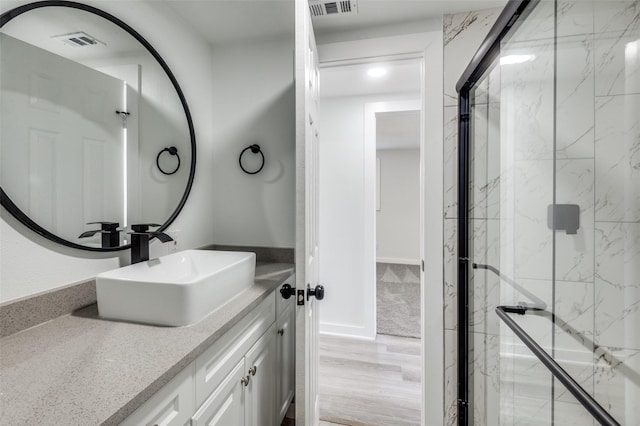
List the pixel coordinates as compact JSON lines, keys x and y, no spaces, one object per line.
{"x":79,"y":369}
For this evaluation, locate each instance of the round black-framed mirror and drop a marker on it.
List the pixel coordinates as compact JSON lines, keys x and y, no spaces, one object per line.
{"x":28,"y":221}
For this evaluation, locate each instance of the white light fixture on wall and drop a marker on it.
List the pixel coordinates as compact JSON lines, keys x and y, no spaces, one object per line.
{"x":516,"y":59}
{"x":376,"y":72}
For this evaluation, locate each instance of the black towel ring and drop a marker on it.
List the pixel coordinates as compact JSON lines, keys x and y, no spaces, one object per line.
{"x":173,"y":151}
{"x":255,"y":148}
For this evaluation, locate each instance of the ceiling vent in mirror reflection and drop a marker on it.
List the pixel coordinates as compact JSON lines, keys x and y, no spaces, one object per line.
{"x":328,"y":8}
{"x":78,"y":39}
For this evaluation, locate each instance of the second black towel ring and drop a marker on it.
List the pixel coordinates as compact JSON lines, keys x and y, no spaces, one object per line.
{"x":173,"y":151}
{"x":255,"y":148}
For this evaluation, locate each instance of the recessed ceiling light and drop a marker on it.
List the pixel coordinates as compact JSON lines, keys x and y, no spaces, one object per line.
{"x":516,"y":59}
{"x":376,"y":72}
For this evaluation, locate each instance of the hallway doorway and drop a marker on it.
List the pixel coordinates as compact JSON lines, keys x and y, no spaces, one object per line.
{"x":369,"y":347}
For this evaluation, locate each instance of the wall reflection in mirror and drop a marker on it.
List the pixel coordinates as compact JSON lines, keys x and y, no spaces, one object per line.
{"x":86,"y":110}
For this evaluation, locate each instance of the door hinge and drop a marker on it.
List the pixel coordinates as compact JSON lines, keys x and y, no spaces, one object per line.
{"x":300,"y":297}
{"x":422,"y":261}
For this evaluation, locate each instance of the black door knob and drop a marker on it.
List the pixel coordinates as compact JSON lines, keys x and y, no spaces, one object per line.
{"x":318,"y":292}
{"x":287,"y":291}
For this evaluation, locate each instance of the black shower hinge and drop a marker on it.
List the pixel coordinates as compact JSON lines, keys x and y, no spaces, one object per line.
{"x":464,"y":116}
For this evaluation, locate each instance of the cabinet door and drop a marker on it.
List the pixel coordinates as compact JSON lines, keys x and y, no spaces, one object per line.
{"x":225,"y":406}
{"x":172,"y":405}
{"x":286,"y":364}
{"x":260,"y":395}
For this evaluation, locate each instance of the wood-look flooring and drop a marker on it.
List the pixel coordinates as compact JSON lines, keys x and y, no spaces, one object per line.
{"x":370,"y":382}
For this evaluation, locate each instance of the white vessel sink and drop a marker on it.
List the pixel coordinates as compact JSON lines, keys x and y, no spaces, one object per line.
{"x":175,"y":290}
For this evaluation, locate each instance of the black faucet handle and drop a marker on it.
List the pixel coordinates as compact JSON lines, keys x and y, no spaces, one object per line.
{"x":87,"y":234}
{"x":164,"y":238}
{"x":106,"y":226}
{"x":143,"y":227}
{"x":159,"y":235}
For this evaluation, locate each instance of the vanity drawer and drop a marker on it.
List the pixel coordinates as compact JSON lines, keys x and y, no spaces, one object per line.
{"x":213,"y":365}
{"x":281,"y":303}
{"x":172,"y":405}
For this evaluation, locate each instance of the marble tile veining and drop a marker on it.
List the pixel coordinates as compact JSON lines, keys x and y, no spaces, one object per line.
{"x":450,"y":274}
{"x":450,"y":162}
{"x":617,"y":48}
{"x":463,"y":33}
{"x":617,"y":284}
{"x":574,"y":136}
{"x":617,"y":384}
{"x":618,"y":158}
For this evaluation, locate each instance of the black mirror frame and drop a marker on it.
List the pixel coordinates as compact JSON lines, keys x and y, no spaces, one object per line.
{"x":6,"y":202}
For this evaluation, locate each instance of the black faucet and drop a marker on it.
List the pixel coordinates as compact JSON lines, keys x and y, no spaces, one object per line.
{"x":109,"y":231}
{"x":140,"y":237}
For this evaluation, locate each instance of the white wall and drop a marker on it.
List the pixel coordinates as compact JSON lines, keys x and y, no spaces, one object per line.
{"x":398,"y":220}
{"x":31,"y":264}
{"x":254,"y":102}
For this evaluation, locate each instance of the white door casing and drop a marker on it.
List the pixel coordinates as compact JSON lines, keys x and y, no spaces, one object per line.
{"x":307,"y":76}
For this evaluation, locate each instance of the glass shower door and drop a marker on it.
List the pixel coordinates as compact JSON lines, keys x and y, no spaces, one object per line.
{"x":553,"y":219}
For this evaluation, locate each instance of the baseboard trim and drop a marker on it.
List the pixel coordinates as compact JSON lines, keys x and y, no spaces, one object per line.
{"x":398,"y":261}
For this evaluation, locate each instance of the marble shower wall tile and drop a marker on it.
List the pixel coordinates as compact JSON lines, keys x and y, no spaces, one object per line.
{"x":539,"y":25}
{"x":573,"y":336}
{"x":450,"y":377}
{"x":450,"y":274}
{"x":615,"y":16}
{"x":533,"y":185}
{"x":574,"y":253}
{"x":485,"y":379}
{"x":617,"y":48}
{"x":617,"y":383}
{"x":450,"y":177}
{"x":618,"y":158}
{"x":479,"y":162}
{"x":570,"y":413}
{"x":463,"y":34}
{"x":534,"y":193}
{"x":485,"y":286}
{"x":574,"y":17}
{"x":575,"y":98}
{"x":527,"y":96}
{"x":507,"y":381}
{"x":484,"y":188}
{"x":617,"y":281}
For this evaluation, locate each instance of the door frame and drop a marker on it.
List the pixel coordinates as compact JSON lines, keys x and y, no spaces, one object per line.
{"x":428,"y":45}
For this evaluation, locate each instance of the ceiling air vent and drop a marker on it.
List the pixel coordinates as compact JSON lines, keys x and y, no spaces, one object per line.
{"x":78,"y":39}
{"x":328,"y":8}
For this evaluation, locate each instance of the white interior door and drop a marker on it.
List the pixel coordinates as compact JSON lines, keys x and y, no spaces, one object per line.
{"x":62,"y":142}
{"x":307,"y":262}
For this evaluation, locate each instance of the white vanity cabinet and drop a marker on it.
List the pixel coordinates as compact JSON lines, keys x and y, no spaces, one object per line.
{"x":247,"y":395}
{"x":244,"y":378}
{"x":172,"y":405}
{"x":285,"y":341}
{"x":226,"y":405}
{"x":260,"y":391}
